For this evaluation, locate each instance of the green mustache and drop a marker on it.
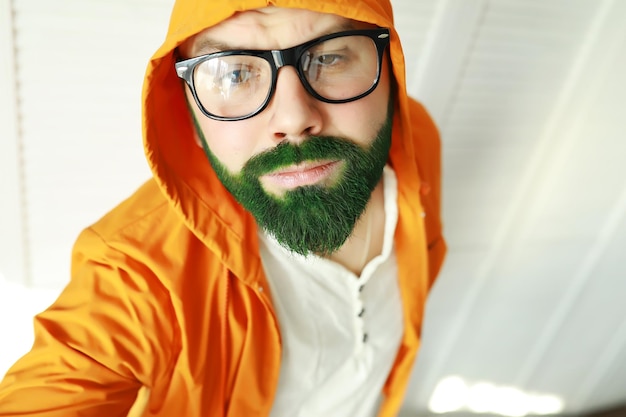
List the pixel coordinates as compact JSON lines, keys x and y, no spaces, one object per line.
{"x":286,"y":154}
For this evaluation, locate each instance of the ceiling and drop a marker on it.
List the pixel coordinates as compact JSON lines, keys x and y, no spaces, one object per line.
{"x":530,"y":99}
{"x":528,"y":314}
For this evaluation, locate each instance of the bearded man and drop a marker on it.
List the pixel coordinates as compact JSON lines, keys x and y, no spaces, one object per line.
{"x":278,"y":262}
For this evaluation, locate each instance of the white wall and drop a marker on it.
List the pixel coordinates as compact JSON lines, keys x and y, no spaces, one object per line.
{"x":71,"y":138}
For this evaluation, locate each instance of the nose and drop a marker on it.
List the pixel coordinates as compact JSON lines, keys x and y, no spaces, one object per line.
{"x":295,"y":114}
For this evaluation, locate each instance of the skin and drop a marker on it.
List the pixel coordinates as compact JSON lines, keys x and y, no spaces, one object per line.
{"x":293,"y":115}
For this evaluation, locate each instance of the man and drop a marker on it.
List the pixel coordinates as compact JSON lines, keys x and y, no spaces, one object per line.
{"x":279,"y":262}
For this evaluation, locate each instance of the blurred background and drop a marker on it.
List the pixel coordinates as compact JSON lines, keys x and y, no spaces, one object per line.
{"x":529,"y":314}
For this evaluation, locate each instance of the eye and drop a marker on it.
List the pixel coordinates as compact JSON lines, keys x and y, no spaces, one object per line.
{"x":238,"y":76}
{"x":328,"y":59}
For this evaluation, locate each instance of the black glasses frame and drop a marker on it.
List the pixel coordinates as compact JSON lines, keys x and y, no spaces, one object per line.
{"x":278,"y":58}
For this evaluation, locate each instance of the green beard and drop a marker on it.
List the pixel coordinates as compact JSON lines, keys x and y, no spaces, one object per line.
{"x":312,"y":219}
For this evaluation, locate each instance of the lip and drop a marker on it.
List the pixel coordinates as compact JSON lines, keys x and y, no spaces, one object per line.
{"x":300,"y":175}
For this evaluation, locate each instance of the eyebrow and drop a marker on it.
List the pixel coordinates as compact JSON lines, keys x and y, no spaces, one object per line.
{"x":207,"y":45}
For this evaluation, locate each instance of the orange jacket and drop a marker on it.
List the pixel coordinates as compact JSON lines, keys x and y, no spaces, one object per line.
{"x":168,"y":291}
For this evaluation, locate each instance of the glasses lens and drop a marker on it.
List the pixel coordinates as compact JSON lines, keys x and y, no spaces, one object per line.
{"x":341,"y":68}
{"x":233,"y":85}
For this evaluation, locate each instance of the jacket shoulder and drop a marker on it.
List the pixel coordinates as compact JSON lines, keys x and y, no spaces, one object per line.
{"x":145,"y":205}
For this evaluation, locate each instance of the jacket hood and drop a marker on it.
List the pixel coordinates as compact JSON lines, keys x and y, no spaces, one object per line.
{"x":181,"y":168}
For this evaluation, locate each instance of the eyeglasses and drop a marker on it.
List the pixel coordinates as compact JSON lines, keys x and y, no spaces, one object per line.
{"x":239,"y":84}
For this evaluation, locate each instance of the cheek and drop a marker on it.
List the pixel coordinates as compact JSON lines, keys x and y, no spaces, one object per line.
{"x":233,"y":143}
{"x":361,"y":120}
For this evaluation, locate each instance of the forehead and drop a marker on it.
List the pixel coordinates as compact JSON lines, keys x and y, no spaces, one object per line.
{"x":267,"y":28}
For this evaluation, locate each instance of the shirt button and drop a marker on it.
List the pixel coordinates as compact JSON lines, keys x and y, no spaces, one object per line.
{"x":361,"y":288}
{"x":364,"y":337}
{"x":362,"y":312}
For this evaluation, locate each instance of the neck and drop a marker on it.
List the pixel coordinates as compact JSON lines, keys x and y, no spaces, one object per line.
{"x":366,"y":241}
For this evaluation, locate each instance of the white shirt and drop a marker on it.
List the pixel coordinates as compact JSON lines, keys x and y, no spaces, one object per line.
{"x":340,"y":333}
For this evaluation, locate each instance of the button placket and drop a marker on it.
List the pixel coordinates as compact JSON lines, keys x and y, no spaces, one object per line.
{"x":359,"y":311}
